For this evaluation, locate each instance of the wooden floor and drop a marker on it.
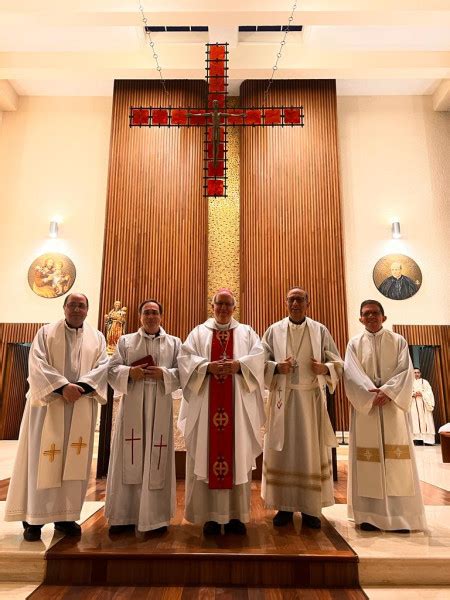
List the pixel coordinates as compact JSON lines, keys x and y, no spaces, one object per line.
{"x":47,"y":592}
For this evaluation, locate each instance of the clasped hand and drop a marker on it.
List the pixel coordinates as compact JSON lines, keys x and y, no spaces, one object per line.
{"x":289,"y":364}
{"x":71,"y":392}
{"x":380,"y":397}
{"x":286,"y":366}
{"x":224,"y":367}
{"x":145,"y":372}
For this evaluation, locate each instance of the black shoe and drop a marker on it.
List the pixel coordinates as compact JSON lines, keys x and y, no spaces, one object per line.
{"x":69,"y":528}
{"x":401,"y":531}
{"x":311,"y":522}
{"x":235,"y":526}
{"x":368,"y":527}
{"x":31,"y":533}
{"x":115,"y":529}
{"x":161,"y":529}
{"x":282,"y":518}
{"x":211,"y":528}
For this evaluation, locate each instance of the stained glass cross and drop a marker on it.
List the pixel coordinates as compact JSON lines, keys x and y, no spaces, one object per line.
{"x":216,"y":119}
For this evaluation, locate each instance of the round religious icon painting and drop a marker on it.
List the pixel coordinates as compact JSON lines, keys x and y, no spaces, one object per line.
{"x":51,"y":275}
{"x":397,"y":276}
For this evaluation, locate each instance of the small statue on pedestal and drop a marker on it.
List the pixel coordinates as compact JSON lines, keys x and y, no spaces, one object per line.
{"x":115,"y":323}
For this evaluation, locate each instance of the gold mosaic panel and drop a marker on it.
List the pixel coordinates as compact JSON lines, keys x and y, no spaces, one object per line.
{"x":223,"y":225}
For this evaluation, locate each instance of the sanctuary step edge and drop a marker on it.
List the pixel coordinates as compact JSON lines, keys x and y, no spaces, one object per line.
{"x":56,"y":592}
{"x":182,"y":558}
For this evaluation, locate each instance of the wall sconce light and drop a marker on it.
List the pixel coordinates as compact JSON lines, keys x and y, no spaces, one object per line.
{"x":53,"y":229}
{"x":396,"y":233}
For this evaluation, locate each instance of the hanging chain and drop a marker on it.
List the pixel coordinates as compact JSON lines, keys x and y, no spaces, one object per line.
{"x":282,"y":44}
{"x":152,"y":46}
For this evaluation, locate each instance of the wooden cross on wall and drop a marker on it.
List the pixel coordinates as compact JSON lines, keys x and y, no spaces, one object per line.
{"x":215,"y":119}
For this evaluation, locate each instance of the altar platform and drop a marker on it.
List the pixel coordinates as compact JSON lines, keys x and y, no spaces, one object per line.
{"x":291,"y":556}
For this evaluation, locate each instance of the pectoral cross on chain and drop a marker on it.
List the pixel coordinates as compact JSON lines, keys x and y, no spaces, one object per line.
{"x":223,"y":337}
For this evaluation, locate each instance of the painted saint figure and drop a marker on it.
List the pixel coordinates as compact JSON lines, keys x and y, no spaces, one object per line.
{"x":398,"y":286}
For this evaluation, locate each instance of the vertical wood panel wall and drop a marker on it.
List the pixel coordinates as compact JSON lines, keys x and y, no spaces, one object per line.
{"x":12,"y":333}
{"x":432,"y":335}
{"x":156,"y":215}
{"x":291,"y":222}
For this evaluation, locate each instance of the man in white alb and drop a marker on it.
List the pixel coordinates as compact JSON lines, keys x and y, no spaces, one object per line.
{"x":383,"y":485}
{"x":222,"y":374}
{"x":302,"y":360}
{"x":422,"y":406}
{"x":141,"y":491}
{"x":67,"y":377}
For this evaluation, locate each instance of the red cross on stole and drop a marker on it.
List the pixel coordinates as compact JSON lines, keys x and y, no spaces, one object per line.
{"x":221,"y":417}
{"x":215,"y":118}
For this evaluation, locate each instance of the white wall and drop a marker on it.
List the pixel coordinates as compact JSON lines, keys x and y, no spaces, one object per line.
{"x":395,"y":162}
{"x":53,"y":161}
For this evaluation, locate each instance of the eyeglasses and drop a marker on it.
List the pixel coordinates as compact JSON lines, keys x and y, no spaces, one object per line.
{"x":291,"y":300}
{"x":73,"y":305}
{"x":225,"y":304}
{"x":371,"y":313}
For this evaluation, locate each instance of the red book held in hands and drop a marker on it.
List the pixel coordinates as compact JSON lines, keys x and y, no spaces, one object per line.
{"x":147,"y":360}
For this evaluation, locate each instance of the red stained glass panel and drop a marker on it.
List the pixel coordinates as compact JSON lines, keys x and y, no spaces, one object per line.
{"x":215,"y":187}
{"x":253,"y":116}
{"x":236,"y":116}
{"x":140,"y":116}
{"x":197,"y":117}
{"x":220,"y":99}
{"x":179,"y":116}
{"x":292,"y":116}
{"x":217,"y":84}
{"x":272,"y":116}
{"x":221,"y":132}
{"x":160,"y":116}
{"x":216,"y":52}
{"x":220,"y":151}
{"x":217,"y":69}
{"x":216,"y":171}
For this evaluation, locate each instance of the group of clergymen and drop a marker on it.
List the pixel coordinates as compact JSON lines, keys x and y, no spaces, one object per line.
{"x":222,"y":368}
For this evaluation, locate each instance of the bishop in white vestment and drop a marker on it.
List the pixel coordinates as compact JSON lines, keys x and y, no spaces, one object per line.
{"x":141,"y":483}
{"x":67,"y":377}
{"x":222,"y":374}
{"x":422,"y":406}
{"x":383,"y":485}
{"x":302,"y":361}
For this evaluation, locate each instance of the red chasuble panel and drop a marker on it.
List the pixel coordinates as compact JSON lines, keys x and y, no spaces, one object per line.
{"x":221,"y":417}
